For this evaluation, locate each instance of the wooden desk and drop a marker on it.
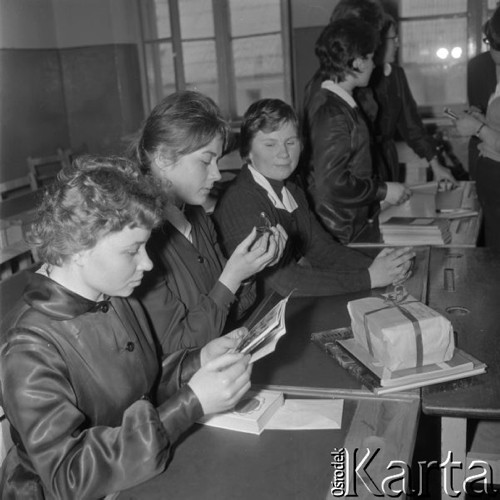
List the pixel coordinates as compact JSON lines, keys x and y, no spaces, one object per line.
{"x":219,"y":464}
{"x":472,"y":305}
{"x":464,"y":231}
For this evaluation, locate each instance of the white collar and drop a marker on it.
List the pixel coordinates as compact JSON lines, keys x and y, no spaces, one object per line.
{"x":289,"y":204}
{"x":177,"y":218}
{"x":337,"y":89}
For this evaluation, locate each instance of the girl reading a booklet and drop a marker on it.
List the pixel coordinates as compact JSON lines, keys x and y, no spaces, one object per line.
{"x":189,"y":293}
{"x":91,"y":407}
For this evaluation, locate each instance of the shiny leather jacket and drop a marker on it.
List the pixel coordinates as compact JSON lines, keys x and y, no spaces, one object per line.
{"x":91,"y":409}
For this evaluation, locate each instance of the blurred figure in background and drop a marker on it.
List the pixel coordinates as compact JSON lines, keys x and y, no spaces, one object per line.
{"x":341,"y":180}
{"x":397,"y":113}
{"x":486,"y":127}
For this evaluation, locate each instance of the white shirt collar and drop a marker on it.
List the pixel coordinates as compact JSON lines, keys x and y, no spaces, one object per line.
{"x":289,"y":204}
{"x":177,"y":218}
{"x":337,"y":89}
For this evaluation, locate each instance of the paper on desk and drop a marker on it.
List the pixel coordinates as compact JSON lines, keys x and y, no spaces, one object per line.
{"x":302,"y":414}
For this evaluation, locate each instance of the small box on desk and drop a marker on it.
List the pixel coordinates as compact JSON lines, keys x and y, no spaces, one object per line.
{"x":403,"y":334}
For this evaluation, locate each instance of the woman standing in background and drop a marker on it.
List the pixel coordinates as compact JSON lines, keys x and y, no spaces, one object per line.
{"x":397,"y":113}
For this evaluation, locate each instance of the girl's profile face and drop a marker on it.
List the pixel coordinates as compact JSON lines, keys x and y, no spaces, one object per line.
{"x":193,"y":175}
{"x":115,"y":265}
{"x":276,"y":154}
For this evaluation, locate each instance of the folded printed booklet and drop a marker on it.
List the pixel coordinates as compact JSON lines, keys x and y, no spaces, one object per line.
{"x":262,"y":338}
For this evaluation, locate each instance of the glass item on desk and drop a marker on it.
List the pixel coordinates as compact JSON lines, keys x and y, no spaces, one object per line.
{"x":399,"y":292}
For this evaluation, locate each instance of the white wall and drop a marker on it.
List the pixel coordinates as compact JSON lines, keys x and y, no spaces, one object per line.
{"x":27,"y":24}
{"x":31,"y":24}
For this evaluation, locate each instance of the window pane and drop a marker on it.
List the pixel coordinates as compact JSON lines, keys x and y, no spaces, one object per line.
{"x":160,"y":70}
{"x":254,"y":17}
{"x":258,"y":66}
{"x":434,"y":55}
{"x":200,"y":67}
{"x":419,"y":8}
{"x":156,"y":19}
{"x":197,"y":19}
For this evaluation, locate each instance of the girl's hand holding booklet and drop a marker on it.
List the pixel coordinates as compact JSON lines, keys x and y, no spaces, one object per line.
{"x":262,"y":338}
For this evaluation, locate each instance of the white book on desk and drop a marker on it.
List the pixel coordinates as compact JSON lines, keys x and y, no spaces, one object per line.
{"x":250,"y":415}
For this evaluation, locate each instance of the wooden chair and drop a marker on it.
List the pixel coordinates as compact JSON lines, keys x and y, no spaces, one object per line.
{"x":42,"y":170}
{"x":15,"y":187}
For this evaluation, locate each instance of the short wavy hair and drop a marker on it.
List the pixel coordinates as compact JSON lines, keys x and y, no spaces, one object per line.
{"x":180,"y":124}
{"x":266,"y":115}
{"x":340,"y":43}
{"x":93,"y":197}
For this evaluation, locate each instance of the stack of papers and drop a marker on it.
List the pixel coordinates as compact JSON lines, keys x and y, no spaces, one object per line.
{"x":416,"y":231}
{"x":341,"y":346}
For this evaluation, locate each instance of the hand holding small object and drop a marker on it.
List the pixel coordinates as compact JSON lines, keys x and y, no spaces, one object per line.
{"x":391,"y":265}
{"x":222,"y":382}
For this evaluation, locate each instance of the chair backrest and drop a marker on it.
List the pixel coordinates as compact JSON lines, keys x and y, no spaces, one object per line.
{"x":42,"y":170}
{"x":15,"y":187}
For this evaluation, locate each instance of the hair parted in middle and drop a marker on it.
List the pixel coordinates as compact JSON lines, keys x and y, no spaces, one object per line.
{"x":340,"y":43}
{"x":266,"y":115}
{"x":91,"y":198}
{"x":180,"y":124}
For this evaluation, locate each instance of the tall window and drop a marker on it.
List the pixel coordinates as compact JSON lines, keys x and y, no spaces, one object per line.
{"x":235,"y":51}
{"x":437,"y":37}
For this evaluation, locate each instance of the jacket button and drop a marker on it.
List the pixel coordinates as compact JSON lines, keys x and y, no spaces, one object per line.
{"x":201,"y":259}
{"x":130,"y":346}
{"x":105,"y":308}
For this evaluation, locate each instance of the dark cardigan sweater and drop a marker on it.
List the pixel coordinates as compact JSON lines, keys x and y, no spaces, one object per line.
{"x":327,"y":267}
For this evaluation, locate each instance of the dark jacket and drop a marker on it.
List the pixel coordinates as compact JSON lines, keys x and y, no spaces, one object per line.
{"x":345,"y":192}
{"x":397,"y":116}
{"x":327,"y":267}
{"x":183,"y":297}
{"x":75,"y":378}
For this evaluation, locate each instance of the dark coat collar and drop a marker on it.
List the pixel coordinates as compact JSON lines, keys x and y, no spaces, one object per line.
{"x":52,"y":299}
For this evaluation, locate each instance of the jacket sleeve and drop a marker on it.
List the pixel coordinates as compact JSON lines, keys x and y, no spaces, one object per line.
{"x":410,"y":125}
{"x":235,"y":216}
{"x":334,"y":180}
{"x":72,"y":459}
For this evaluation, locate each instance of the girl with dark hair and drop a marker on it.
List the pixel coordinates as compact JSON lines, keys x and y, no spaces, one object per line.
{"x":189,"y":293}
{"x":342,"y":183}
{"x":92,"y":408}
{"x":313,"y":263}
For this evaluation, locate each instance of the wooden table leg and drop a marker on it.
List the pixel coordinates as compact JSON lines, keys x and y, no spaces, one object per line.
{"x":453,"y":450}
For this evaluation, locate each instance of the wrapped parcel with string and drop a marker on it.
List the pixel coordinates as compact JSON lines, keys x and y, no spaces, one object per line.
{"x":401,"y":333}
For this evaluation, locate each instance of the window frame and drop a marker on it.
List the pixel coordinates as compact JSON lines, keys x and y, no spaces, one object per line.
{"x":477,"y":13}
{"x":223,"y":49}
